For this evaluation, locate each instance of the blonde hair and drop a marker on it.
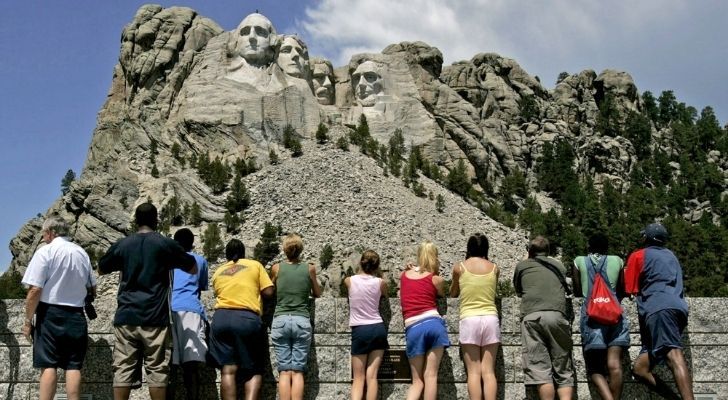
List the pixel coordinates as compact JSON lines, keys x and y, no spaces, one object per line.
{"x":292,"y":246}
{"x":427,"y":257}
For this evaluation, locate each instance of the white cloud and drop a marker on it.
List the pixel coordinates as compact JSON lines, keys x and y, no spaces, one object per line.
{"x":659,"y":42}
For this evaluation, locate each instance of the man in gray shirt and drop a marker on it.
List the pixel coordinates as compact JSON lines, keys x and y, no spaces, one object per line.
{"x":545,"y":331}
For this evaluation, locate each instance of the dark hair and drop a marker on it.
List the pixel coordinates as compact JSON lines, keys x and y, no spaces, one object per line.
{"x":234,"y":250}
{"x":539,"y":246}
{"x":369,"y":261}
{"x":185,"y":238}
{"x":146,"y":215}
{"x":477,"y":246}
{"x":598,"y":243}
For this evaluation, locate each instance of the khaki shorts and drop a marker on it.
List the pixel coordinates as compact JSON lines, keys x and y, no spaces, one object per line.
{"x":151,"y":345}
{"x":546,"y":349}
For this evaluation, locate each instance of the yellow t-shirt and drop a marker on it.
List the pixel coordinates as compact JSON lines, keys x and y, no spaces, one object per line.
{"x":238,"y":285}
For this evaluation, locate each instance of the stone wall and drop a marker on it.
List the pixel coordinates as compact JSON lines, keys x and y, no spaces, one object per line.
{"x":329,"y":367}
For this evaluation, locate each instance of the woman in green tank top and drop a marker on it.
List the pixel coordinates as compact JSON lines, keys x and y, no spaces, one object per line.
{"x":291,"y":331}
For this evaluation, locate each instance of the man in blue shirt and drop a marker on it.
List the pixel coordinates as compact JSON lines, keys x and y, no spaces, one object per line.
{"x":655,"y":276}
{"x":189,"y":322}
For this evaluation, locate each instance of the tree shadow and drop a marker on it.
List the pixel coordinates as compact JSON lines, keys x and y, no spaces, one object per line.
{"x":11,"y":342}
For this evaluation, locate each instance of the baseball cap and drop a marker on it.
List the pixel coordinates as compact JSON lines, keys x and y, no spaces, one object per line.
{"x":656,"y":233}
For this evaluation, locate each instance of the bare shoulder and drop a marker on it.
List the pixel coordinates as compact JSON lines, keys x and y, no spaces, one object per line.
{"x":311,"y":267}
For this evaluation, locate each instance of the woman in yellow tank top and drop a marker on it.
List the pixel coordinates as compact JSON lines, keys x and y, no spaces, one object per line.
{"x":474,"y":282}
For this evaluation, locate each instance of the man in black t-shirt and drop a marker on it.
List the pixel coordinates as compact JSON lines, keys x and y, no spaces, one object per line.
{"x":141,"y":323}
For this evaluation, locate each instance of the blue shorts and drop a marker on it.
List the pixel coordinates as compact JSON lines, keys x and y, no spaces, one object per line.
{"x":367,"y":338}
{"x":661,"y":332}
{"x":291,"y":337}
{"x":60,"y":337}
{"x":237,"y":337}
{"x":595,"y":336}
{"x":425,"y":335}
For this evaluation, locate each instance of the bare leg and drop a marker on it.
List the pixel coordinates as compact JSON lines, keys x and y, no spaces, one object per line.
{"x":614,"y":366}
{"x":565,"y":392}
{"x":417,"y":365}
{"x":595,"y":359}
{"x":358,"y":369}
{"x":228,"y":389}
{"x":374,"y":360}
{"x":603,"y":387}
{"x":473,"y":366}
{"x":73,"y":384}
{"x":48,"y":381}
{"x":122,"y":392}
{"x":642,"y":372}
{"x":191,"y":378}
{"x":297,"y":385}
{"x":546,"y":391}
{"x":678,"y":365}
{"x":490,"y":383}
{"x":252,"y":387}
{"x":284,"y":385}
{"x":158,"y":393}
{"x":432,"y":366}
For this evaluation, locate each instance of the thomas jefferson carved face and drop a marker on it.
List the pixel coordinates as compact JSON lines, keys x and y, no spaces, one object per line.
{"x":323,"y":85}
{"x":367,"y":82}
{"x":256,"y":40}
{"x":293,"y":57}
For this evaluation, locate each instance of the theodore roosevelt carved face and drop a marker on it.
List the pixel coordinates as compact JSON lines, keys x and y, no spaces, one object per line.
{"x":323,"y":81}
{"x":367,"y":82}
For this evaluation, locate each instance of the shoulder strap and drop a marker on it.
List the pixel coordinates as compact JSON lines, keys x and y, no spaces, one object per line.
{"x":558,"y":273}
{"x":462,"y":265}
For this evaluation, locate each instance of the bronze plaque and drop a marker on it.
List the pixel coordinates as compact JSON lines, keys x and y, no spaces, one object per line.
{"x":395,"y":367}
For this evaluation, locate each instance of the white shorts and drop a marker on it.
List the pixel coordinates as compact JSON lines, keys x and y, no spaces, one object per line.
{"x":188,"y":337}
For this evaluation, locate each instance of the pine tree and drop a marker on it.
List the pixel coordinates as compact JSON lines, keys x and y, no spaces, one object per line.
{"x":195,"y":216}
{"x":608,"y":119}
{"x":458,"y":180}
{"x":327,"y":255}
{"x":440,"y":203}
{"x":562,"y":75}
{"x":212,"y":242}
{"x":273,"y":157}
{"x":529,"y":109}
{"x":67,"y":180}
{"x":267,"y":248}
{"x":396,"y":152}
{"x":232,"y":222}
{"x":342,"y":143}
{"x":322,"y":133}
{"x":176,"y":149}
{"x":239,"y":197}
{"x":291,"y":141}
{"x":11,"y":286}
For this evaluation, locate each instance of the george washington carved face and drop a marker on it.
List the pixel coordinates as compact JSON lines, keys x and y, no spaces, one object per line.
{"x":256,"y":40}
{"x":367,"y":82}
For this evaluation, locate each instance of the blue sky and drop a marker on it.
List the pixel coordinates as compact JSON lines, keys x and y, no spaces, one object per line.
{"x":57,"y":59}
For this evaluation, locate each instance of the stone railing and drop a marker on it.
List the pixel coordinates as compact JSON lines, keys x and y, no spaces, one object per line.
{"x":329,"y":375}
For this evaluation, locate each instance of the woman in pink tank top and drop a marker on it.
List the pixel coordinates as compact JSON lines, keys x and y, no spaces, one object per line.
{"x":368,"y":332}
{"x":425,"y":329}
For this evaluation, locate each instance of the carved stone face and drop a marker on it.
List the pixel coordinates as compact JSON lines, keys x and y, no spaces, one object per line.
{"x":293,"y":57}
{"x":367,"y":83}
{"x":323,"y":85}
{"x":256,"y":39}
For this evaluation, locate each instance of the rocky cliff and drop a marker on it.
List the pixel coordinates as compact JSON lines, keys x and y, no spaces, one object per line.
{"x":184,"y":89}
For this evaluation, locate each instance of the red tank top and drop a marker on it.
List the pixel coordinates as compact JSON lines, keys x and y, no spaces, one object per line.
{"x":417,"y":295}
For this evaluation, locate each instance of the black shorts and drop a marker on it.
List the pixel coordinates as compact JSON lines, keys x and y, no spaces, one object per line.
{"x":661,"y":332}
{"x":60,"y":339}
{"x":367,"y":338}
{"x":237,"y":338}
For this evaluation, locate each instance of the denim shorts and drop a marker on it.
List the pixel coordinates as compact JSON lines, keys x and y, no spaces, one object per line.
{"x":291,"y":337}
{"x":661,"y":332}
{"x":425,"y":335}
{"x":367,"y":338}
{"x":595,"y":336}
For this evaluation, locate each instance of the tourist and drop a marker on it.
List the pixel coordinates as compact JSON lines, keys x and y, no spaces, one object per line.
{"x":59,"y":278}
{"x":368,"y":332}
{"x":237,"y":336}
{"x":291,"y":331}
{"x":425,"y":329}
{"x":141,"y":324}
{"x":474,"y":282}
{"x":545,"y":327}
{"x":655,"y":276}
{"x":603,"y":345}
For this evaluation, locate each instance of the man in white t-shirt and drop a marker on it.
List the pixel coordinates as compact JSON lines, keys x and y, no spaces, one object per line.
{"x":59,"y":277}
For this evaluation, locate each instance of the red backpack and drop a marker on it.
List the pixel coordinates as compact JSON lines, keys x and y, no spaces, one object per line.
{"x":603,"y":306}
